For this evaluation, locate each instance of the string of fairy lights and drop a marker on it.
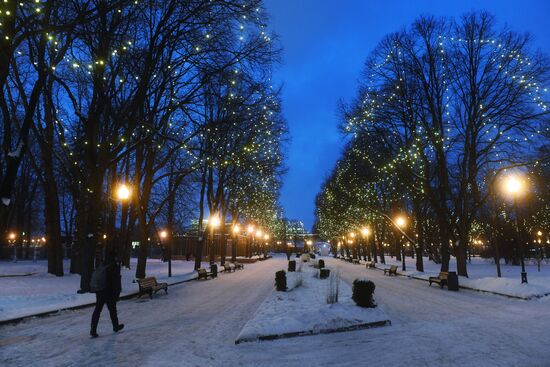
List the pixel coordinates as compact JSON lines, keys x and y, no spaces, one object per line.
{"x":74,"y":62}
{"x":389,"y":114}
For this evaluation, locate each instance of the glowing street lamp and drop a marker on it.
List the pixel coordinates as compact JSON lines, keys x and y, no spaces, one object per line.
{"x":236,"y":229}
{"x":123,"y":192}
{"x":365,"y":232}
{"x":213,"y":223}
{"x":514,"y":185}
{"x":11,"y":239}
{"x":401,"y":222}
{"x":250,"y":239}
{"x":163,"y":235}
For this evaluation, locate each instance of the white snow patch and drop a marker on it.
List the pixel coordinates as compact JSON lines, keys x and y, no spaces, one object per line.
{"x":42,"y":292}
{"x":6,"y":201}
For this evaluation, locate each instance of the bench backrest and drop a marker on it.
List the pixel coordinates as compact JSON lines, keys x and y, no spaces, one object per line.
{"x":393,"y":268}
{"x":443,"y":275}
{"x":147,"y":282}
{"x":201,"y":270}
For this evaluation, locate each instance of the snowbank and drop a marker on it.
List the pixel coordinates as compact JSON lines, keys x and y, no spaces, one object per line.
{"x":481,"y":277}
{"x":41,"y":292}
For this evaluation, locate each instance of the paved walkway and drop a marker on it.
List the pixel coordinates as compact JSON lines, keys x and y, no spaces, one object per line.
{"x":197,"y":323}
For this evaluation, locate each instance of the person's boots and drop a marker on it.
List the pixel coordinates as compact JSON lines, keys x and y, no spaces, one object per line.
{"x":117,"y":328}
{"x":93,"y":333}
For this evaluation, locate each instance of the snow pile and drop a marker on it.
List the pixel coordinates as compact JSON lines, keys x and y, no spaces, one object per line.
{"x":482,"y":276}
{"x":41,"y":292}
{"x":304,"y":311}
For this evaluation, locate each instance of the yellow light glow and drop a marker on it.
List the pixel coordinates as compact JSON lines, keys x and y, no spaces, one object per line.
{"x":214,"y":221}
{"x":236,"y":228}
{"x":123,"y":192}
{"x":401,"y":222}
{"x":12,"y":236}
{"x":266,"y":237}
{"x":365,"y":231}
{"x":352,"y":235}
{"x":539,"y":233}
{"x":163,"y":234}
{"x":259,"y":233}
{"x":250,"y":229}
{"x":513,"y":185}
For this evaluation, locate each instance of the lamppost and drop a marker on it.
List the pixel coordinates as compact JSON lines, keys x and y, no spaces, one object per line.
{"x":514,"y":186}
{"x":541,"y":255}
{"x":353,"y":243}
{"x":163,"y":235}
{"x":250,"y":233}
{"x":123,"y":194}
{"x":11,"y":240}
{"x":257,"y":235}
{"x":401,"y":222}
{"x":213,"y":223}
{"x":266,"y":244}
{"x":365,"y":232}
{"x":236,"y":231}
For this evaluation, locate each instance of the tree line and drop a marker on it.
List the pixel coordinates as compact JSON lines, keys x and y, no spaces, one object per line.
{"x":446,"y":109}
{"x":171,"y":98}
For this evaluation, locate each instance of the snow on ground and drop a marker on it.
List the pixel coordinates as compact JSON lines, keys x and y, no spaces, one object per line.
{"x":197,"y":322}
{"x":303,"y":309}
{"x":482,"y":276}
{"x":42,"y":292}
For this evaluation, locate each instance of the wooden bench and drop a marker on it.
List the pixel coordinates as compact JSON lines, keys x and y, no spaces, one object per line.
{"x":204,"y":274}
{"x":239,"y":266}
{"x":391,"y":270}
{"x":371,"y":264}
{"x":355,"y":261}
{"x":228,"y":267}
{"x":150,"y":285}
{"x":441,"y":279}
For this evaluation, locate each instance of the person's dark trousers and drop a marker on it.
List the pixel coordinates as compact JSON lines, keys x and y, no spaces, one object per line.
{"x":101,"y":299}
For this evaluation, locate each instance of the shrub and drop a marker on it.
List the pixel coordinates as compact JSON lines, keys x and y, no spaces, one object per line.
{"x":324,"y":273}
{"x":280,"y":280}
{"x":292,"y":265}
{"x":321,"y":263}
{"x":363,"y":291}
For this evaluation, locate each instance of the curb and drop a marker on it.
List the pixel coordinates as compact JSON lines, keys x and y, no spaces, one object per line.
{"x":78,"y":307}
{"x":368,"y":325}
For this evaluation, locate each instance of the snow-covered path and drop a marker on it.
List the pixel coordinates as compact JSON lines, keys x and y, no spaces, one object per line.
{"x":197,"y":323}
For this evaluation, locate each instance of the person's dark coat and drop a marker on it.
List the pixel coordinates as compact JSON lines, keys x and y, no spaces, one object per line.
{"x":108,"y":296}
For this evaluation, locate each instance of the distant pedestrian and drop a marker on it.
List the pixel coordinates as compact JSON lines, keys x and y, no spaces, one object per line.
{"x":107,"y":286}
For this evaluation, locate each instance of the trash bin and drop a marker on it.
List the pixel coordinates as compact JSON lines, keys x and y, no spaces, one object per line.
{"x":452,"y":281}
{"x":214,"y":270}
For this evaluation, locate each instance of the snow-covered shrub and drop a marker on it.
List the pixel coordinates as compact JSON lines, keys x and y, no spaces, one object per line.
{"x":363,"y":291}
{"x":304,"y":257}
{"x":333,"y":287}
{"x":292,"y":265}
{"x":280,"y":280}
{"x":295,"y":280}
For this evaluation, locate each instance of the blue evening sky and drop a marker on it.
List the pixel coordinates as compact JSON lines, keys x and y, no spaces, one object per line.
{"x":325,"y":43}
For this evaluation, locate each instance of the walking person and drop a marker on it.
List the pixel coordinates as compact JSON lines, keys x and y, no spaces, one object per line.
{"x":106,"y":283}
